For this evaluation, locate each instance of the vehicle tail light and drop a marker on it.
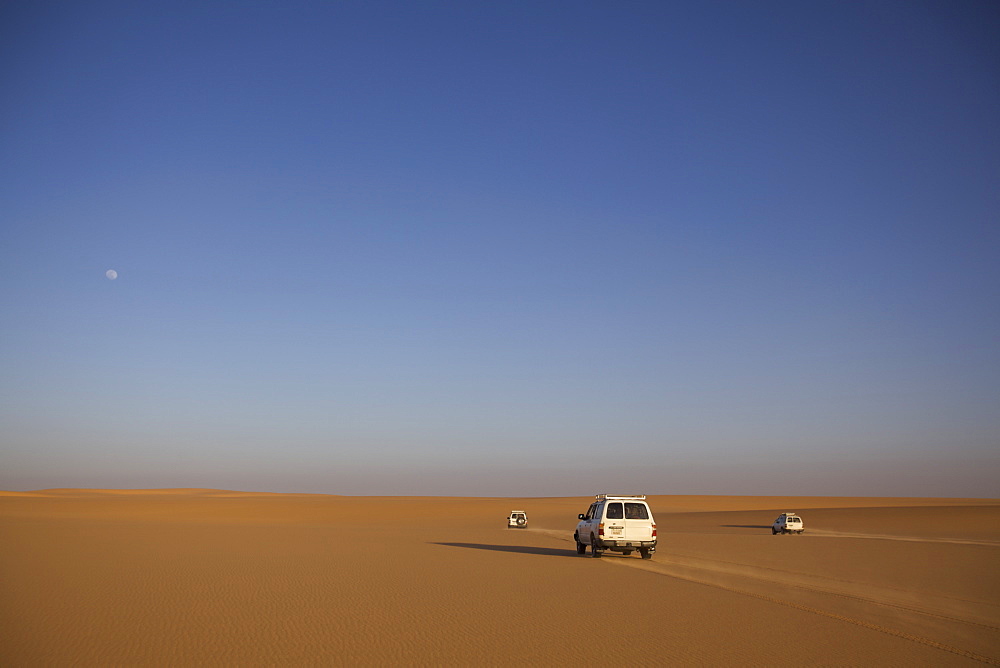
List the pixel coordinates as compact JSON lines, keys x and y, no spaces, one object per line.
{"x":654,"y":531}
{"x":600,"y":529}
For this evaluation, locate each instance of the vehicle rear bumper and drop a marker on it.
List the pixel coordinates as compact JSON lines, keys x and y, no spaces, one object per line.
{"x":634,"y":544}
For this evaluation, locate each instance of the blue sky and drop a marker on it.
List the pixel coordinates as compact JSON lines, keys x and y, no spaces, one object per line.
{"x":501,"y":248}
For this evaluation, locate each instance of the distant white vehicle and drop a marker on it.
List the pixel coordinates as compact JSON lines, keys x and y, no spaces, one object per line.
{"x":517,"y":519}
{"x":787,"y":523}
{"x":617,"y":523}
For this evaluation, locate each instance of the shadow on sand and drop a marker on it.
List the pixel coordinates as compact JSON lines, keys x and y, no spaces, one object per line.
{"x":747,"y":526}
{"x":523,"y":549}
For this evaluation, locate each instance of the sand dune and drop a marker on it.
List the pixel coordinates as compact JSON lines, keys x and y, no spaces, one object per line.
{"x":209,"y":577}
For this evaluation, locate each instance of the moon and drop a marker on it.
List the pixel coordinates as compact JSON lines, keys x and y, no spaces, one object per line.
{"x":111,"y":274}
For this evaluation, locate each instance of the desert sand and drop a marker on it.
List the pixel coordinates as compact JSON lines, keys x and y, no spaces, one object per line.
{"x":208,"y":577}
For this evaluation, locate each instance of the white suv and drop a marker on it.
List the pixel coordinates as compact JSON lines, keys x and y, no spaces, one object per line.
{"x":617,"y":523}
{"x":787,"y":523}
{"x":517,"y":518}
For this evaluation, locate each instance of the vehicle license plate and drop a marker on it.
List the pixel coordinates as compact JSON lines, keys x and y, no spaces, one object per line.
{"x":616,"y":531}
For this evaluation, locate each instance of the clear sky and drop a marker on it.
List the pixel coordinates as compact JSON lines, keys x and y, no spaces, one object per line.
{"x":501,"y":248}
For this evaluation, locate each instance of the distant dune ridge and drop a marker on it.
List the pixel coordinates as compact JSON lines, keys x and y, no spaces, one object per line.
{"x":202,"y":576}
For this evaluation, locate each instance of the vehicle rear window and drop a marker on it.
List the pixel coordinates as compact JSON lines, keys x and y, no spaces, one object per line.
{"x":614,"y":512}
{"x":636,"y":511}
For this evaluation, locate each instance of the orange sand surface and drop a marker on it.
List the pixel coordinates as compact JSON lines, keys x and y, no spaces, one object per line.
{"x":210,"y":577}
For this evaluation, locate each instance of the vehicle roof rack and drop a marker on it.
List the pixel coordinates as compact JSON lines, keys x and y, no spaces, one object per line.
{"x":619,"y":497}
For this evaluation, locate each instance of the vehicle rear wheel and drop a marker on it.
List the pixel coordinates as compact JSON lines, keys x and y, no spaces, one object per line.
{"x":645,"y":553}
{"x":594,"y":552}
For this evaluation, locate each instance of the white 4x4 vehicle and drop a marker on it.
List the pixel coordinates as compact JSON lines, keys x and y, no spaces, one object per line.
{"x":517,"y":518}
{"x":617,"y":523}
{"x":787,"y":523}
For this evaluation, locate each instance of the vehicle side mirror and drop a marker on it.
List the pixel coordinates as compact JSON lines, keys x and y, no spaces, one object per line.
{"x":582,"y":516}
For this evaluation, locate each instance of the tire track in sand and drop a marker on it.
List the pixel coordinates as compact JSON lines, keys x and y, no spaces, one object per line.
{"x":660,"y":570}
{"x":823,"y":533}
{"x":740,"y":578}
{"x":773,"y":577}
{"x":887,"y":596}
